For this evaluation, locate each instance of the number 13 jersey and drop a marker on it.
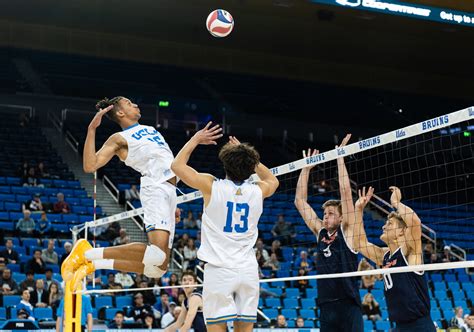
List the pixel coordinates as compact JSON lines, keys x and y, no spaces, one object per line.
{"x":229,"y":224}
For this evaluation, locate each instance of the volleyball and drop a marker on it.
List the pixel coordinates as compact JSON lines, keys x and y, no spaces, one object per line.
{"x":220,"y":23}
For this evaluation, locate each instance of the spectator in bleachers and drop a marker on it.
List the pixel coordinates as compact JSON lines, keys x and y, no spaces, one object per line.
{"x":25,"y":305}
{"x":301,"y":284}
{"x":109,"y":232}
{"x":9,"y":255}
{"x":148,"y":296}
{"x":447,"y":257}
{"x":162,"y":306}
{"x":8,"y":284}
{"x":36,"y":264}
{"x":55,"y":296}
{"x":190,"y":255}
{"x":124,"y":279}
{"x":260,"y":259}
{"x":132,"y":194}
{"x":61,"y":206}
{"x":48,"y":279}
{"x":367,"y":282}
{"x":22,"y":170}
{"x":299,"y":322}
{"x":283,"y":230}
{"x":34,"y":205}
{"x":275,"y":249}
{"x":272,"y":263}
{"x":48,"y":255}
{"x":118,"y":321}
{"x":139,"y":309}
{"x":26,"y":225}
{"x":122,"y":238}
{"x":434,"y":258}
{"x":199,"y":221}
{"x":43,"y":226}
{"x":149,"y":322}
{"x":42,"y":171}
{"x":67,"y":248}
{"x":40,"y":296}
{"x":259,"y":246}
{"x":86,"y":315}
{"x":322,"y":187}
{"x":31,"y":179}
{"x":189,"y":221}
{"x":281,"y":322}
{"x":174,"y":281}
{"x":182,"y":241}
{"x":111,"y":284}
{"x":171,"y":316}
{"x":304,"y":262}
{"x":427,"y":252}
{"x":458,"y":319}
{"x":29,"y":282}
{"x":469,"y":324}
{"x":371,"y":308}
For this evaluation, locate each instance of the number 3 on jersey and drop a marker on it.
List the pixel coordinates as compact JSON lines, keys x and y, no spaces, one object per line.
{"x":240,"y":226}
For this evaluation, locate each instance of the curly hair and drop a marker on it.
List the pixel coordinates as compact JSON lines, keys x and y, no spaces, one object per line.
{"x":106,"y":102}
{"x":239,"y":160}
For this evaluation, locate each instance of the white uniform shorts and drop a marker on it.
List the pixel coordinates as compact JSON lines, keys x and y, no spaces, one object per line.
{"x":159,"y":206}
{"x":230,"y":294}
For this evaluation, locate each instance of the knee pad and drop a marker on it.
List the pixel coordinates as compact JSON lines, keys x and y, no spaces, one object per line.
{"x":153,"y":271}
{"x":153,"y":256}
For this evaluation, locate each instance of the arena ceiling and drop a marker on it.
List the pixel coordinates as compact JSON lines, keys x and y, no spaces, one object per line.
{"x":285,"y":38}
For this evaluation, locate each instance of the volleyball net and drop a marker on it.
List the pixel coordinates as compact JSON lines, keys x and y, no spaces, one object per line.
{"x":431,"y":162}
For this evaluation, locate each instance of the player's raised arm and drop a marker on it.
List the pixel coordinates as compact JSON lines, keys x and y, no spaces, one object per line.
{"x":194,"y":303}
{"x":301,"y":198}
{"x":93,"y":160}
{"x":201,"y":181}
{"x":179,"y":322}
{"x":345,"y":189}
{"x":409,"y":216}
{"x":369,"y":250}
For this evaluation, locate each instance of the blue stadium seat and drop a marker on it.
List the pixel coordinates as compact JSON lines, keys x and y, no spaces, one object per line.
{"x":458,"y":294}
{"x":71,"y":217}
{"x":29,"y":243}
{"x":435,"y":314}
{"x":292,"y":292}
{"x":110,"y":313}
{"x":308,"y":303}
{"x":14,"y":267}
{"x":445,"y":305}
{"x":311,"y":293}
{"x":43,"y":313}
{"x":461,"y":303}
{"x":307,"y":314}
{"x":368,"y":326}
{"x":15,"y":216}
{"x":11,"y":300}
{"x":8,"y":226}
{"x":278,"y":284}
{"x":10,"y":206}
{"x":383,"y":325}
{"x":440,"y":295}
{"x":291,"y":323}
{"x":4,"y":215}
{"x":270,"y":313}
{"x":5,"y":190}
{"x":436,"y":277}
{"x":19,"y":190}
{"x":290,"y":303}
{"x":277,"y":291}
{"x":468,"y":286}
{"x":439,"y":285}
{"x":3,"y":313}
{"x":450,"y":277}
{"x":377,"y":294}
{"x":79,"y":209}
{"x":454,"y":286}
{"x":273,"y":302}
{"x":448,"y":314}
{"x":103,"y":301}
{"x":289,"y":313}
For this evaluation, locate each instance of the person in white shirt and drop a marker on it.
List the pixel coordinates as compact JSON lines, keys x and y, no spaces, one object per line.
{"x":232,"y":208}
{"x":124,"y":279}
{"x":145,"y":150}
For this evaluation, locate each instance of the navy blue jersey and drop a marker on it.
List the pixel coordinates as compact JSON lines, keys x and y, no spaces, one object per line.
{"x":199,"y":324}
{"x":334,"y":256}
{"x":406,"y":293}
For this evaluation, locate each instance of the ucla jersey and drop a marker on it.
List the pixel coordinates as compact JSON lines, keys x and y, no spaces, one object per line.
{"x":148,"y":154}
{"x":334,"y":256}
{"x":229,"y":224}
{"x":406,"y":293}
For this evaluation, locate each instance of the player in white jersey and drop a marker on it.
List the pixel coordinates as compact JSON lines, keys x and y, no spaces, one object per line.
{"x":232,"y":208}
{"x":144,"y":149}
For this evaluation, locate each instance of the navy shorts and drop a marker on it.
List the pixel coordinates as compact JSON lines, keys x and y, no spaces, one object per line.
{"x":342,"y":316}
{"x":424,"y":324}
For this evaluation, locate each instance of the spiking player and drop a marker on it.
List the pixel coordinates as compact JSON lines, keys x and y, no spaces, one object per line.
{"x":232,"y":208}
{"x":338,"y":298}
{"x":407,"y":294}
{"x":145,"y":150}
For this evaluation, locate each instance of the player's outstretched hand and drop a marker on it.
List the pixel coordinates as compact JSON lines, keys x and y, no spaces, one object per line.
{"x":364,"y":198}
{"x":344,"y":141}
{"x":309,"y":153}
{"x":396,"y":196}
{"x":96,"y":121}
{"x":208,"y":135}
{"x":233,"y":140}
